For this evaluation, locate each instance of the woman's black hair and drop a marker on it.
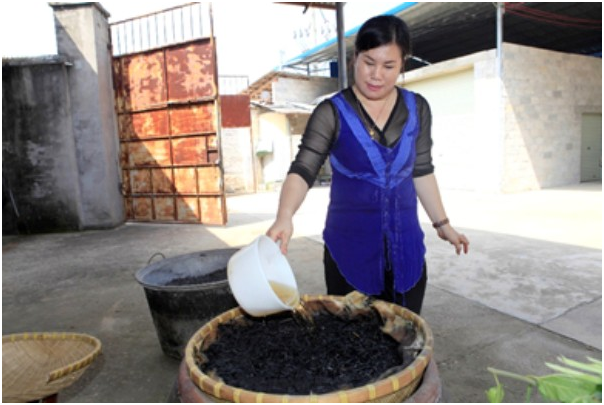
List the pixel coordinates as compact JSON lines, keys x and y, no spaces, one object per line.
{"x":384,"y":30}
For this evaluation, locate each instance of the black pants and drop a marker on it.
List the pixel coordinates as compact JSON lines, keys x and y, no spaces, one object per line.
{"x":412,"y":299}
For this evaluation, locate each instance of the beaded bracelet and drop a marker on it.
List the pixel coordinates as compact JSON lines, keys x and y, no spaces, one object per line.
{"x":440,"y":223}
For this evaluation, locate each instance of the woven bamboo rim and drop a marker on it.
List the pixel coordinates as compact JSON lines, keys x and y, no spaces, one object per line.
{"x":395,"y":388}
{"x":36,"y":365}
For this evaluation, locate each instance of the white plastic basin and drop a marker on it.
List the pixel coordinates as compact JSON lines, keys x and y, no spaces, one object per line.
{"x":261,"y":278}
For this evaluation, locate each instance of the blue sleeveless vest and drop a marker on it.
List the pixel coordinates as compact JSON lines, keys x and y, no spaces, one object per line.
{"x":373,"y":205}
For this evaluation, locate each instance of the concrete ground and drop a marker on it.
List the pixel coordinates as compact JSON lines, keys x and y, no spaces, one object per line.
{"x":530,"y":289}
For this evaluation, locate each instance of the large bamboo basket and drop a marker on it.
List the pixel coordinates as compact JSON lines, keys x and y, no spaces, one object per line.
{"x":37,"y":365}
{"x":395,"y":388}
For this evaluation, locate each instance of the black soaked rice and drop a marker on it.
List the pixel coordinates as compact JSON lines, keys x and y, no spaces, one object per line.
{"x":284,"y":355}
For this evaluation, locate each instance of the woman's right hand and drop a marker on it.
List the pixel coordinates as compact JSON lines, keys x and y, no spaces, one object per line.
{"x":281,"y":231}
{"x":292,"y":194}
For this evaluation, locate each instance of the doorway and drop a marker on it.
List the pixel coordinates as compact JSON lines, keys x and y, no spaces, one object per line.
{"x":591,"y":147}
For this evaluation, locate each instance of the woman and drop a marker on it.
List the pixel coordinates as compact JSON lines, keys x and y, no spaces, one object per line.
{"x":379,"y":143}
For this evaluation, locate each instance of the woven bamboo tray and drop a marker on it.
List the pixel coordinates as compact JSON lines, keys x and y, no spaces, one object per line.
{"x":37,"y":365}
{"x":395,"y":388}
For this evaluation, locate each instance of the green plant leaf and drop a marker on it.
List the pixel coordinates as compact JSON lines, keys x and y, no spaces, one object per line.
{"x":598,"y":394}
{"x":495,"y":394}
{"x":529,"y":393}
{"x":595,"y":366}
{"x":590,"y":398}
{"x":562,"y":388}
{"x":575,"y":382}
{"x":578,"y":374}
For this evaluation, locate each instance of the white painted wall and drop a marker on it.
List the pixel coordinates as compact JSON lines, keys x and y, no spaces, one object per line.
{"x":302,"y":90}
{"x":466,"y":120}
{"x":515,"y":133}
{"x":237,"y":157}
{"x":451,"y":99}
{"x":274,"y":128}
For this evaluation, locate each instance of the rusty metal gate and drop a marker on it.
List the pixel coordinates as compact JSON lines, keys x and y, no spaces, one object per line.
{"x":167,"y":106}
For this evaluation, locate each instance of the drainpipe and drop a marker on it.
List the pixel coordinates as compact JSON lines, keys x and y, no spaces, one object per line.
{"x":500,"y":114}
{"x":499,"y":39}
{"x":342,"y":79}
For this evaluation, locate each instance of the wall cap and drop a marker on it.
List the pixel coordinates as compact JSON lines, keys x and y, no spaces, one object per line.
{"x":37,"y":60}
{"x":67,"y":6}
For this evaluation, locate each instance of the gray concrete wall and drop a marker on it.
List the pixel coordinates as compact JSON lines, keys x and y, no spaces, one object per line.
{"x":83,"y":36}
{"x":545,"y":95}
{"x":60,"y":144}
{"x":39,"y":168}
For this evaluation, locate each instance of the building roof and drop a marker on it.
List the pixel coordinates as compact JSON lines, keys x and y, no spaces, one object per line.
{"x":287,"y":108}
{"x":442,"y":31}
{"x":265,"y":83}
{"x":330,"y":5}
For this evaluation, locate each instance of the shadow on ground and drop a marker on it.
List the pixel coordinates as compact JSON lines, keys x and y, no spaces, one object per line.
{"x":84,"y":282}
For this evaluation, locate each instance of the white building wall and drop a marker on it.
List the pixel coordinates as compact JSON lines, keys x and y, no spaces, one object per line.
{"x":302,"y":90}
{"x":488,"y":170}
{"x":522,"y":132}
{"x":237,"y":157}
{"x":274,"y":129}
{"x":517,"y":133}
{"x":451,"y":99}
{"x":466,"y":120}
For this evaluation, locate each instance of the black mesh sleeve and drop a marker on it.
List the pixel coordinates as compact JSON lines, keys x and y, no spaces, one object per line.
{"x":316,"y":142}
{"x":423,"y":144}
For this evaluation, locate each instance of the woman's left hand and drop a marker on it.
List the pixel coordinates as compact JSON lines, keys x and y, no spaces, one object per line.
{"x":460,"y":241}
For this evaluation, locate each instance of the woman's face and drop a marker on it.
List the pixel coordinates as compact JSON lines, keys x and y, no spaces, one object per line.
{"x":376,"y":70}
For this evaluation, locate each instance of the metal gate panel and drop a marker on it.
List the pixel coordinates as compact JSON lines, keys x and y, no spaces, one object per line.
{"x":194,"y":58}
{"x":142,"y":207}
{"x":188,"y":209}
{"x":211,"y":207}
{"x":141,"y":181}
{"x":209,"y":179}
{"x":185,"y":180}
{"x":162,"y":180}
{"x":141,"y":81}
{"x":166,"y":100}
{"x":164,"y":208}
{"x":193,"y":119}
{"x":151,"y":124}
